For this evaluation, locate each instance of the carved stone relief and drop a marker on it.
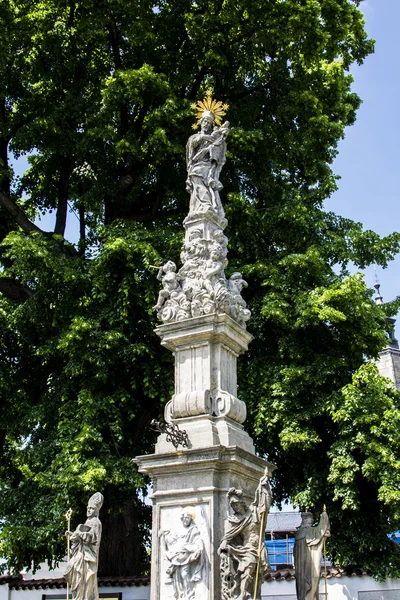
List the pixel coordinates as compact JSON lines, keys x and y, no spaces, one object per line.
{"x":200,"y":286}
{"x":184,"y":552}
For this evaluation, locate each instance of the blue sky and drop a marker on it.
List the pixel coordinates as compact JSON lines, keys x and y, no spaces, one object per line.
{"x":368,"y":159}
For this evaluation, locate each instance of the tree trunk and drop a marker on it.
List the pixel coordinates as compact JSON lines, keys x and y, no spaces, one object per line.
{"x":121,"y":549}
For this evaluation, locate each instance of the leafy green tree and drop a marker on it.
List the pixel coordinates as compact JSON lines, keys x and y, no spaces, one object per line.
{"x":98,"y":95}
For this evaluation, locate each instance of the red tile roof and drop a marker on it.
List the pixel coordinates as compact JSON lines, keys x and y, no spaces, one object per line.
{"x":288,"y":574}
{"x":18,"y":583}
{"x":9,"y":579}
{"x":59,"y":582}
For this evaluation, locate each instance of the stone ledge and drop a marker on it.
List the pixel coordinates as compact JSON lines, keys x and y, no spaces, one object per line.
{"x":212,"y":328}
{"x":224,"y":454}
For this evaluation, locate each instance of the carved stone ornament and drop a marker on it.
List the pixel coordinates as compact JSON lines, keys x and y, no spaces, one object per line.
{"x":177,"y":437}
{"x":200,"y":287}
{"x":243,"y":554}
{"x":185,"y":553}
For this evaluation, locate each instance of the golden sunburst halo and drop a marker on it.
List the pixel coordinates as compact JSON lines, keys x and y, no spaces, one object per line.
{"x":216,"y":107}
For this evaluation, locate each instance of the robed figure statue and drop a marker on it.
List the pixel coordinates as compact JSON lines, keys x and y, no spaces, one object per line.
{"x":81,"y":572}
{"x":205,"y":157}
{"x":307,"y":554}
{"x":185,"y":554}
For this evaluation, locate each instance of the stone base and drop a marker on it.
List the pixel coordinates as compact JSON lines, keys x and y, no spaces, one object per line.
{"x":197,"y":481}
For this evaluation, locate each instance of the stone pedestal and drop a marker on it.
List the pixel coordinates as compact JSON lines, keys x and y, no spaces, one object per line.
{"x":198,"y":481}
{"x":220,"y":454}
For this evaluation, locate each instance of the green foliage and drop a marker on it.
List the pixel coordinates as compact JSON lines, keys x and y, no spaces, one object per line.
{"x":98,"y":95}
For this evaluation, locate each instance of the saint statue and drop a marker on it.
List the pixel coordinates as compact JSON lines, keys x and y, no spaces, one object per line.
{"x":242,"y":550}
{"x":205,"y":157}
{"x":185,"y":554}
{"x":81,"y":572}
{"x":307,"y":554}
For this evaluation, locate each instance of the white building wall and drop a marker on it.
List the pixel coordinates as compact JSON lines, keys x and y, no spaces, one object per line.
{"x":131,"y":593}
{"x":343,"y":588}
{"x":4,"y":592}
{"x":128,"y":593}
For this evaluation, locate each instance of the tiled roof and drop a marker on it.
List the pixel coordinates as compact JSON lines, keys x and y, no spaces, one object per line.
{"x":288,"y":574}
{"x":18,"y":583}
{"x":59,"y":582}
{"x":283,"y":521}
{"x":349,"y":571}
{"x":9,"y":579}
{"x":39,"y":584}
{"x":124,"y":581}
{"x":281,"y":575}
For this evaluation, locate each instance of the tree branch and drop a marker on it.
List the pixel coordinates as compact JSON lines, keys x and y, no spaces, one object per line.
{"x":14,"y":290}
{"x":82,"y":230}
{"x":150,"y":215}
{"x":108,"y":209}
{"x":16,"y":127}
{"x":114,"y":37}
{"x":194,"y":90}
{"x":18,"y":214}
{"x":63,"y":184}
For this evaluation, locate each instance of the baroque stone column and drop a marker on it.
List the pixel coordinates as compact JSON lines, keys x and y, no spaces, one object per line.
{"x":204,"y":324}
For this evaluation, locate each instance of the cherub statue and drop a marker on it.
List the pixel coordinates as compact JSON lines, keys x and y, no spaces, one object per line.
{"x":238,"y":309}
{"x":169,"y":278}
{"x":194,"y":251}
{"x":219,"y":240}
{"x":214,"y":276}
